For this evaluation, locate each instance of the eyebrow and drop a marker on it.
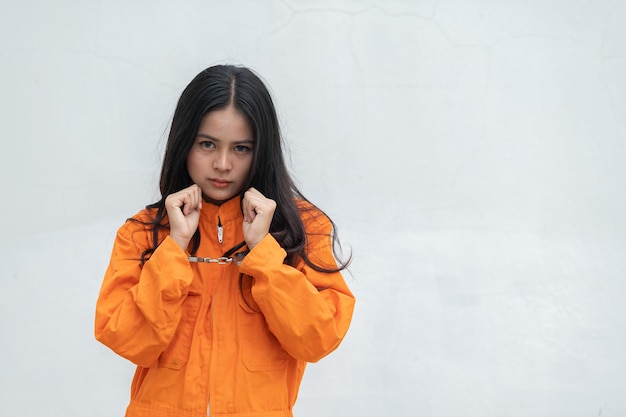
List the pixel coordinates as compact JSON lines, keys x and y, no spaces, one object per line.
{"x":204,"y":135}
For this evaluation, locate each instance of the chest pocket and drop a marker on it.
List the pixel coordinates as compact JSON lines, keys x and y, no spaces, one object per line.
{"x":260,"y":351}
{"x":176,"y":355}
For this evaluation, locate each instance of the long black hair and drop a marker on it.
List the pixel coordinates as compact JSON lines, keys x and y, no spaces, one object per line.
{"x":217,"y":88}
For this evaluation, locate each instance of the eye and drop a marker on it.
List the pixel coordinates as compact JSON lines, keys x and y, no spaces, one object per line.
{"x":242,"y":148}
{"x":206,"y":144}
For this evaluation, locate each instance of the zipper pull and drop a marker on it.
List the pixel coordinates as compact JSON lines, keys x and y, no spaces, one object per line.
{"x":220,"y":231}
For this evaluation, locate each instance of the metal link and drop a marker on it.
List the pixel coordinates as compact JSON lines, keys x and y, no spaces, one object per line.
{"x":222,"y":260}
{"x":238,"y":257}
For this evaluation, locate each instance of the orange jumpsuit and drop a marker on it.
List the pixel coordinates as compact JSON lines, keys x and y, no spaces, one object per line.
{"x":194,"y":338}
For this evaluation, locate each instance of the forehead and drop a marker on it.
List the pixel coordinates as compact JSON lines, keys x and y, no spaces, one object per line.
{"x":226,"y":124}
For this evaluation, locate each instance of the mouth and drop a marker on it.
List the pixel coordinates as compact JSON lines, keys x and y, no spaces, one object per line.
{"x":219,"y":182}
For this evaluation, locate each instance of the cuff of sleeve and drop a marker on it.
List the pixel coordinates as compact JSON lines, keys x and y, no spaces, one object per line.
{"x":173,"y":267}
{"x":267,"y":253}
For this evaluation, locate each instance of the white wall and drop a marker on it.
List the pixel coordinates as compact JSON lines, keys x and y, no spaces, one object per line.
{"x":471,"y":151}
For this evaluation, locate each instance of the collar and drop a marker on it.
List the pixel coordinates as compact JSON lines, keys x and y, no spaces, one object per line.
{"x":227,"y":211}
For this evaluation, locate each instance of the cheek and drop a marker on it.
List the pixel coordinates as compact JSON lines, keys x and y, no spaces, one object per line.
{"x":193,"y":162}
{"x":248,"y":165}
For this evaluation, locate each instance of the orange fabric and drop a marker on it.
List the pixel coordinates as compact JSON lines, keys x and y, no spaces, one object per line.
{"x":194,"y":338}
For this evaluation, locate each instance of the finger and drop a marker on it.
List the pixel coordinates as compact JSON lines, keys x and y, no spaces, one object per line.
{"x":193,"y":199}
{"x":249,"y":212}
{"x":198,"y":192}
{"x":186,"y":198}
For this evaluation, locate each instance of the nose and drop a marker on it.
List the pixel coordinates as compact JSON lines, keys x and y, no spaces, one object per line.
{"x":222,"y":162}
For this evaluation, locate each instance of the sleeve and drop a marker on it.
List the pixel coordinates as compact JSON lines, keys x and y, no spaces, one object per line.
{"x":308,"y":311}
{"x":139,"y":307}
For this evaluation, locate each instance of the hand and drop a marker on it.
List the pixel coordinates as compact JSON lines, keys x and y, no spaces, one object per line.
{"x":183,"y":212}
{"x":258,"y":212}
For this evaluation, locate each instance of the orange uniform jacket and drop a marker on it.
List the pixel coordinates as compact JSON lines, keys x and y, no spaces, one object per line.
{"x":194,"y":338}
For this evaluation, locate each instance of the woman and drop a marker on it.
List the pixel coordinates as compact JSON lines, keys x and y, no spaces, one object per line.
{"x":226,"y":287}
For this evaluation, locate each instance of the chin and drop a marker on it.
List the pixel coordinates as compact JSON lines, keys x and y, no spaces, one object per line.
{"x":216,"y":199}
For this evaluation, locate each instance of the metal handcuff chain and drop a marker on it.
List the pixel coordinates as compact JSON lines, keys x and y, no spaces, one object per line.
{"x":222,"y":260}
{"x":225,"y":259}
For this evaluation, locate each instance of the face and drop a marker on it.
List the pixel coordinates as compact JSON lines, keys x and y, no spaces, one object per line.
{"x":221,"y":156}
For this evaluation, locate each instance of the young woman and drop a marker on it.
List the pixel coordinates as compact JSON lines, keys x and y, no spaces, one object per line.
{"x":226,"y":287}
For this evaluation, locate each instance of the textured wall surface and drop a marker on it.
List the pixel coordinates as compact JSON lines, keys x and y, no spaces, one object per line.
{"x":472,"y":153}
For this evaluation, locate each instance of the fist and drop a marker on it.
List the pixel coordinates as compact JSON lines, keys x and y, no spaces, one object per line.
{"x":183,"y":212}
{"x":258,"y":212}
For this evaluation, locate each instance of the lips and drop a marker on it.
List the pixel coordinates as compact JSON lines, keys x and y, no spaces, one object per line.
{"x":219,"y":182}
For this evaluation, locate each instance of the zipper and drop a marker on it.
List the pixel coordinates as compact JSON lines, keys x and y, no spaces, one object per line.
{"x":220,"y":231}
